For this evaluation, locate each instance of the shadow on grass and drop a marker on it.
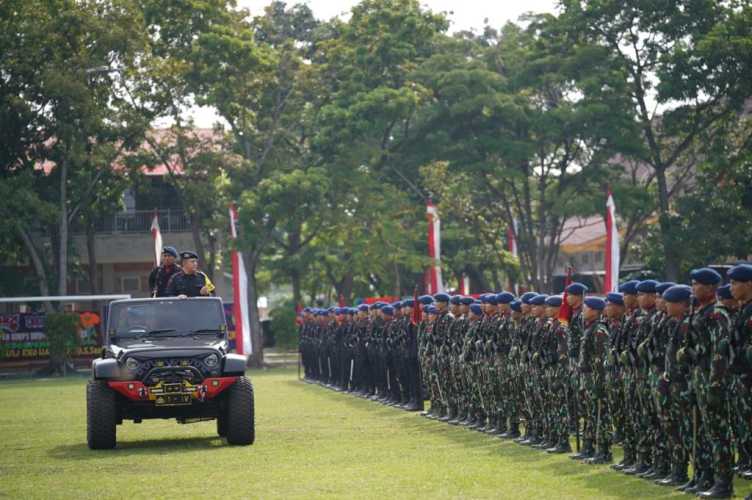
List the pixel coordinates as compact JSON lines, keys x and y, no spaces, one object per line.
{"x":80,"y":451}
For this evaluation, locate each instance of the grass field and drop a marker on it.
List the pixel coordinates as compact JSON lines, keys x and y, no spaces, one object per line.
{"x":310,"y":443}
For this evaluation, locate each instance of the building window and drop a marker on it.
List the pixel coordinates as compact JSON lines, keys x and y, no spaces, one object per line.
{"x":130,"y":284}
{"x":599,"y":257}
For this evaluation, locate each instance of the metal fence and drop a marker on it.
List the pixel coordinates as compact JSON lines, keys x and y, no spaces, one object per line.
{"x":139,"y":221}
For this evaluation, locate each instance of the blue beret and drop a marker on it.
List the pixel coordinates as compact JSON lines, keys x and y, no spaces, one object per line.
{"x":363,"y":307}
{"x":491,"y":299}
{"x":170,"y":251}
{"x":339,"y":310}
{"x":526,"y":297}
{"x":677,"y":293}
{"x":576,"y":288}
{"x":455,"y":300}
{"x":388,"y":310}
{"x":441,"y":297}
{"x":484,"y":298}
{"x":332,"y":309}
{"x":615,"y":298}
{"x":596,"y":303}
{"x":539,"y":299}
{"x":740,"y":272}
{"x":505,"y":298}
{"x":629,"y":287}
{"x":476,"y":309}
{"x":425,"y":299}
{"x":467,"y":301}
{"x":397,"y":305}
{"x":408,"y":303}
{"x":662,"y":287}
{"x":724,"y":292}
{"x":477,"y":301}
{"x":647,"y":286}
{"x":306,"y":309}
{"x":554,"y":301}
{"x":516,"y":305}
{"x":432,"y":309}
{"x":706,"y":276}
{"x":352,"y":310}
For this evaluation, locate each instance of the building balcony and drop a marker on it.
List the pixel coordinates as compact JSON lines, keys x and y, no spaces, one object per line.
{"x":139,"y":221}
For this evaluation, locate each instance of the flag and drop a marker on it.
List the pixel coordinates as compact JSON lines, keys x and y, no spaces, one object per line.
{"x":464,"y":287}
{"x":565,"y":311}
{"x":512,"y":238}
{"x":611,"y":282}
{"x":156,"y":235}
{"x":434,"y":282}
{"x":417,"y":315}
{"x":239,"y":293}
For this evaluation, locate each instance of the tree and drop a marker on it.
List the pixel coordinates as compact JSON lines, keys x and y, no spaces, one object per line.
{"x":680,"y":87}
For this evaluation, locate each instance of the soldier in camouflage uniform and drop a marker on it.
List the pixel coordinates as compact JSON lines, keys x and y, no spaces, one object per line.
{"x":642,"y":407}
{"x":504,"y":341}
{"x":593,"y":350}
{"x":513,"y":362}
{"x":575,"y":294}
{"x":674,"y":404}
{"x":475,"y":405}
{"x":710,"y":351}
{"x":622,"y":349}
{"x":534,"y":382}
{"x":525,"y":332}
{"x":557,"y":373}
{"x":741,"y":290}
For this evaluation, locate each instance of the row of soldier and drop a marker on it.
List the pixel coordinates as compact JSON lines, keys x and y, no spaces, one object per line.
{"x":664,"y":369}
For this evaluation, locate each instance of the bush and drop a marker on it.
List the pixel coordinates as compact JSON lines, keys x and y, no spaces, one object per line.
{"x":283,"y":326}
{"x":61,"y":330}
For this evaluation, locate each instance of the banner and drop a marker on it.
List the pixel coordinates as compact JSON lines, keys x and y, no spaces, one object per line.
{"x":23,"y":337}
{"x":611,"y":282}
{"x":240,"y":293}
{"x":156,"y":235}
{"x":434,"y":282}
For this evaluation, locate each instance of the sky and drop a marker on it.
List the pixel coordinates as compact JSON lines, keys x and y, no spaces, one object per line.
{"x":463,"y":15}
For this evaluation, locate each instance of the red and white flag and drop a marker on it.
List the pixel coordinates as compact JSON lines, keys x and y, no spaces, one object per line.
{"x":239,"y":293}
{"x":611,"y":282}
{"x":156,"y":235}
{"x":512,"y":239}
{"x":435,"y":284}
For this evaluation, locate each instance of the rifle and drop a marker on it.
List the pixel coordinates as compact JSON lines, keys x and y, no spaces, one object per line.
{"x":352,"y":367}
{"x":694,"y":437}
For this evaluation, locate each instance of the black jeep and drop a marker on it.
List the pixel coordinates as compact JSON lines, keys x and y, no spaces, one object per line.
{"x":167,"y":358}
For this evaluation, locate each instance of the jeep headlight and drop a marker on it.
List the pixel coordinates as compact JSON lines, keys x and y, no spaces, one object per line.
{"x":131,"y":364}
{"x":211,"y":360}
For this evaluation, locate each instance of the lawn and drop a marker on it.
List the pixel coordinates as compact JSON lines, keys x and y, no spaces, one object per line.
{"x":310,"y":442}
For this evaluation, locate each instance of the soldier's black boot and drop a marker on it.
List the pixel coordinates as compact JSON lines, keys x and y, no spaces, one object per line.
{"x":636,"y":469}
{"x":501,"y":426}
{"x":562,"y":447}
{"x":587,"y":451}
{"x":678,"y":476}
{"x":626,"y":463}
{"x":722,"y":488}
{"x":602,"y":456}
{"x":513,"y":432}
{"x":448,"y":414}
{"x":702,"y":482}
{"x":492,"y":427}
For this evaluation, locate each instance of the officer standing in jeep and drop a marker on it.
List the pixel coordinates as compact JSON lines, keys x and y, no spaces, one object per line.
{"x":160,"y":276}
{"x":190,"y":282}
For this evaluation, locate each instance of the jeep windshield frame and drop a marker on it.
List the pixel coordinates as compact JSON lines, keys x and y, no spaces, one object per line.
{"x":165,"y":317}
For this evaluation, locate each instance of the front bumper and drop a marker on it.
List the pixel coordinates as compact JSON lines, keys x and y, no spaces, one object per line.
{"x":173,"y":394}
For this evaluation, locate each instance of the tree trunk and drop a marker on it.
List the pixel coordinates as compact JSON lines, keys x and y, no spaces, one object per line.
{"x":198,"y":242}
{"x":671,"y":264}
{"x":256,"y":359}
{"x":62,"y":283}
{"x":39,"y":270}
{"x":92,"y":256}
{"x":296,"y":285}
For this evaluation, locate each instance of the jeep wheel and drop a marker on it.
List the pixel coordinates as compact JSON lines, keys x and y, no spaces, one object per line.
{"x":240,"y":418}
{"x":101,"y":416}
{"x":222,"y":423}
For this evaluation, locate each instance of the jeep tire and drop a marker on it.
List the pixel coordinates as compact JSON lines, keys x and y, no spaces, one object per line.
{"x":240,"y":419}
{"x":101,"y":415}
